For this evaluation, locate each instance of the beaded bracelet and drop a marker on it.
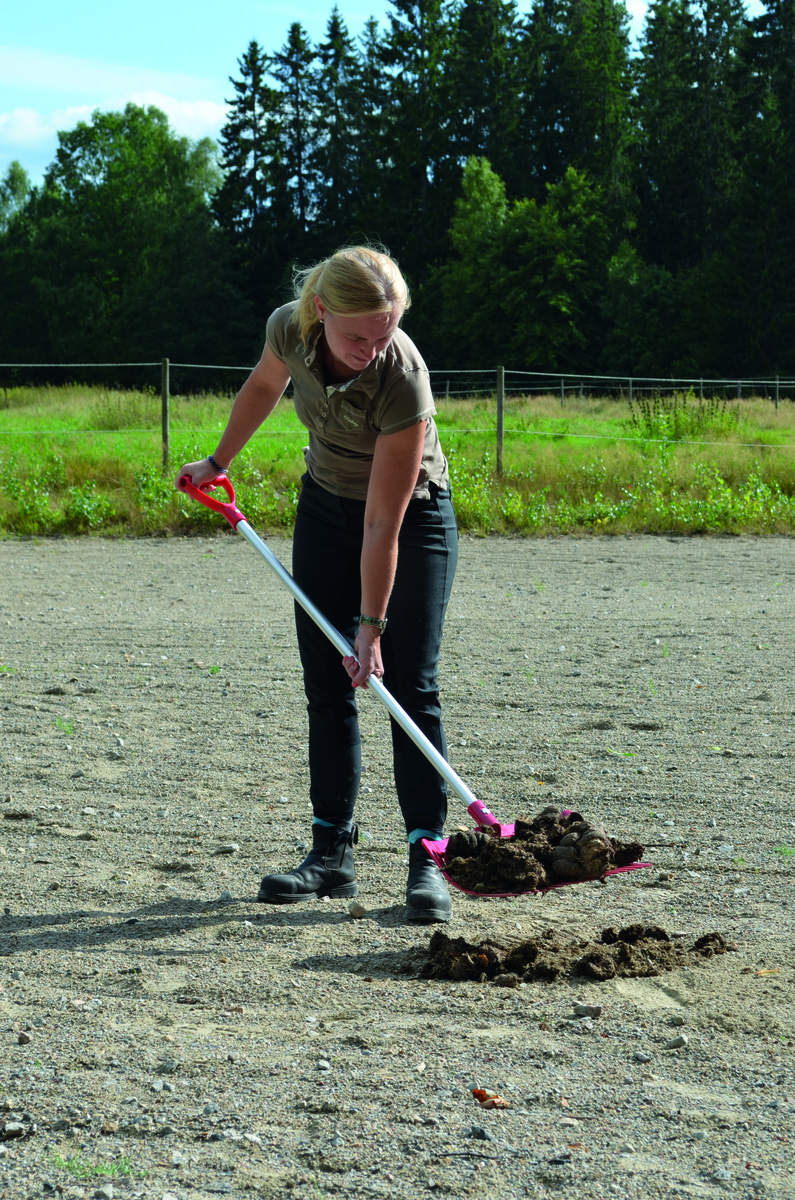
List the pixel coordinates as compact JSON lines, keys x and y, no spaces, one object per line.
{"x":214,"y":465}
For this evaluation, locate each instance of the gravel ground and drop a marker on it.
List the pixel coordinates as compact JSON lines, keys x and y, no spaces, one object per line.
{"x":165,"y":1036}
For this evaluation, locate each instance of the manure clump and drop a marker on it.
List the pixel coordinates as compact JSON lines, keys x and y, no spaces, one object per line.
{"x":552,"y":848}
{"x":632,"y":952}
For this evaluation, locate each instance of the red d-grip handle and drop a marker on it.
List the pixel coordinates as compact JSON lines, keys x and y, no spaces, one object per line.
{"x":232,"y":513}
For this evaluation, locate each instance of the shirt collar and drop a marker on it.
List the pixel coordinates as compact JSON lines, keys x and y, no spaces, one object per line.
{"x":367,"y":380}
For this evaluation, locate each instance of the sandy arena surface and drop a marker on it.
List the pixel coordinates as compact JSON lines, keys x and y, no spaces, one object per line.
{"x":165,"y":1036}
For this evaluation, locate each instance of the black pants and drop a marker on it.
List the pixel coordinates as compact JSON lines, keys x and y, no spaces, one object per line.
{"x":327,"y":551}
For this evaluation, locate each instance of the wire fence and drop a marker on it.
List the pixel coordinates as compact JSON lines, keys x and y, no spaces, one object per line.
{"x":454,"y":384}
{"x":465,"y":383}
{"x":457,"y":383}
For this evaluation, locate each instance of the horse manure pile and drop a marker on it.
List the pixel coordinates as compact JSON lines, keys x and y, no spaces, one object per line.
{"x":637,"y":950}
{"x":550,"y":849}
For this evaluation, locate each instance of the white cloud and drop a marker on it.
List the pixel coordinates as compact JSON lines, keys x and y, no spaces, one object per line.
{"x":28,"y":127}
{"x":24,"y":67}
{"x":189,"y":118}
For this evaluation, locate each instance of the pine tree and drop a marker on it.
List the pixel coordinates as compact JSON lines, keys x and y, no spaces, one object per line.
{"x":750,"y":326}
{"x":248,"y":148}
{"x":368,"y":129}
{"x":337,"y":120}
{"x":688,"y":127}
{"x":485,"y":86}
{"x":574,"y":57}
{"x":418,"y":176}
{"x":291,"y":68}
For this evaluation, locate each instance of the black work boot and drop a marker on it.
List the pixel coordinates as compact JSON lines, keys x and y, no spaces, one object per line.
{"x":326,"y":871}
{"x":427,"y":897}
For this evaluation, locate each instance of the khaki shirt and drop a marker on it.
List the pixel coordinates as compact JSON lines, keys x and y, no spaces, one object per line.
{"x":344,"y":420}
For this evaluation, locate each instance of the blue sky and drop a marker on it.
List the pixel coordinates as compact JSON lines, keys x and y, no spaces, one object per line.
{"x":61,"y":59}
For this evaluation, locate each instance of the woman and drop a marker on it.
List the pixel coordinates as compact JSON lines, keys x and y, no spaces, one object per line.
{"x":375,"y":548}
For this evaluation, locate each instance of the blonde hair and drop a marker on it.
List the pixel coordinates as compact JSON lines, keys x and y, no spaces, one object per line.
{"x":355,"y":281}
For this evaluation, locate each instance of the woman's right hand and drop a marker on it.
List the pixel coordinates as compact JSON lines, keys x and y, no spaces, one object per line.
{"x":198,"y":473}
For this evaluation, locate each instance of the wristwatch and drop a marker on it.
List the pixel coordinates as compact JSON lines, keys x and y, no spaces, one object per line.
{"x":378,"y":622}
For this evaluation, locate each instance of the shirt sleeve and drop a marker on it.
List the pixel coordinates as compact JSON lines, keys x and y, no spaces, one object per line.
{"x":276,"y":330}
{"x":408,"y":401}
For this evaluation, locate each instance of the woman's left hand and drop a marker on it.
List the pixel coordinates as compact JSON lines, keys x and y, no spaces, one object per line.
{"x":368,"y":652}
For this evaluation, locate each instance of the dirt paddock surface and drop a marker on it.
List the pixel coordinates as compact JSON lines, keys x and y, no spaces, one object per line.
{"x":165,"y":1036}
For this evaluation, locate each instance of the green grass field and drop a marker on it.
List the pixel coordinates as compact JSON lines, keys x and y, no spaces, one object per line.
{"x":79,"y":459}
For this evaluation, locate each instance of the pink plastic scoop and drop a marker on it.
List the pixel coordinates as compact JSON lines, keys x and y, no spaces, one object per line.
{"x":482,"y":818}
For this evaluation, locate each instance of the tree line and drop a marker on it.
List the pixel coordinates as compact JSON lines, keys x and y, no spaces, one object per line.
{"x":557,"y":199}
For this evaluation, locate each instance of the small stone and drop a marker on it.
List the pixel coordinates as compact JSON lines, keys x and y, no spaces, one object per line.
{"x":477,"y":1131}
{"x":225,"y":897}
{"x":228,"y":848}
{"x":166,"y":1131}
{"x":283,"y":800}
{"x":357,"y":910}
{"x":167,"y":1067}
{"x":323,"y":1064}
{"x":337,"y":1141}
{"x":177,"y":1158}
{"x":115,"y":755}
{"x":420,"y":1068}
{"x":24,"y":1038}
{"x":568,"y":1122}
{"x":170,"y":1196}
{"x":104,"y":1193}
{"x":506,"y":981}
{"x":210,"y":1108}
{"x":168,"y":1087}
{"x":676,"y":1043}
{"x":253,"y":1138}
{"x":17,"y":974}
{"x":676,"y":1019}
{"x":157,"y":1086}
{"x":722,"y":1175}
{"x":14,"y":1129}
{"x":588,"y":1010}
{"x":641,"y":1056}
{"x":627,"y":1148}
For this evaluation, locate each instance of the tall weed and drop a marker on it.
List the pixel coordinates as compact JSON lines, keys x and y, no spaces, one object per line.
{"x":680,"y":417}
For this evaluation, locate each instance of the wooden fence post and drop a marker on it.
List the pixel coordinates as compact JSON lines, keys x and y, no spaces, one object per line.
{"x":562,"y":389}
{"x":164,"y":381}
{"x":447,"y":390}
{"x":777,"y":393}
{"x":500,"y":417}
{"x":630,"y":391}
